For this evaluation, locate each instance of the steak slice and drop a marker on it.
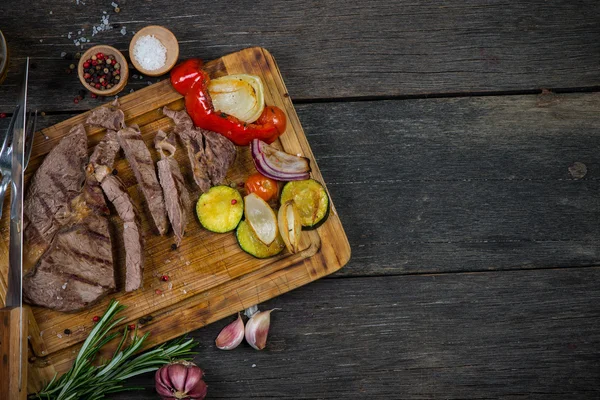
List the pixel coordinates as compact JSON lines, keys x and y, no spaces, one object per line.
{"x":103,"y":157}
{"x":220,"y":155}
{"x":132,"y":230}
{"x":177,"y":197}
{"x":194,"y":144}
{"x":54,"y":185}
{"x":182,"y":120}
{"x":211,"y":154}
{"x":107,"y":117}
{"x":77,"y":269}
{"x":92,"y":196}
{"x":193,"y":141}
{"x":140,"y":160}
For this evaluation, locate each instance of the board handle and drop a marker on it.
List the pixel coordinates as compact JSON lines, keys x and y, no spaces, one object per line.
{"x":13,"y":386}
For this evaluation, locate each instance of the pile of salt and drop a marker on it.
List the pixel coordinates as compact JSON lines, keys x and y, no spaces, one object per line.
{"x":150,"y":53}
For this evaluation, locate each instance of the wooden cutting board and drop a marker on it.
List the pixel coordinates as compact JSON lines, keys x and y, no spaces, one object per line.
{"x":210,"y":277}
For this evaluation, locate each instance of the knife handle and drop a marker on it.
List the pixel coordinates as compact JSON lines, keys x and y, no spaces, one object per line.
{"x":10,"y":351}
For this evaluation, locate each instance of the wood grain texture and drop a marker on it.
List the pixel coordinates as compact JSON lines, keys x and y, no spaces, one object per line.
{"x":491,"y":335}
{"x":204,"y":260}
{"x":331,"y":48}
{"x":13,"y":353}
{"x":462,"y":184}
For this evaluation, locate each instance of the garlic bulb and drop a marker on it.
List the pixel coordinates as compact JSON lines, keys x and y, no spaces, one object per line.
{"x":232,"y":335}
{"x":180,"y":380}
{"x":240,"y":95}
{"x":257,"y":329}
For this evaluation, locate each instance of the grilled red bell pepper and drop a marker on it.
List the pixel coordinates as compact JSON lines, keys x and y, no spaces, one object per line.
{"x":199,"y":106}
{"x":189,"y":79}
{"x":184,"y":74}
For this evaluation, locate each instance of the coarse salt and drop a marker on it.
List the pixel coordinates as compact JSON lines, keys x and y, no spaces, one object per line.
{"x":150,"y":53}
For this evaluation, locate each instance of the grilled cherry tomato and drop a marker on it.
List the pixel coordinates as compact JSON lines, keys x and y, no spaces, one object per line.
{"x":265,"y":188}
{"x":275,"y":116}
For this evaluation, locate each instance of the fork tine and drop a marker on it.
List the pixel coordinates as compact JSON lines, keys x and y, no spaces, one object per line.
{"x":30,"y":134}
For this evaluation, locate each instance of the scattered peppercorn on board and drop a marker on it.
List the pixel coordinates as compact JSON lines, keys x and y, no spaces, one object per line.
{"x":209,"y":276}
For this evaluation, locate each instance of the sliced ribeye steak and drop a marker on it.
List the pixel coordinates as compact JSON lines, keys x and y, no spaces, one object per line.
{"x":193,"y":142}
{"x":140,"y":160}
{"x":103,"y":157}
{"x":111,"y":118}
{"x":132,"y":230}
{"x":177,"y":197}
{"x":54,"y":185}
{"x":100,"y":167}
{"x":210,"y":154}
{"x":77,"y":269}
{"x":220,"y":155}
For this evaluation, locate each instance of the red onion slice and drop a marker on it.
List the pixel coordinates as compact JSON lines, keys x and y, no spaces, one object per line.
{"x":277,"y":164}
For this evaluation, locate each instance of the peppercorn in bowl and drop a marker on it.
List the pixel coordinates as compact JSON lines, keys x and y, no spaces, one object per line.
{"x":103,"y":70}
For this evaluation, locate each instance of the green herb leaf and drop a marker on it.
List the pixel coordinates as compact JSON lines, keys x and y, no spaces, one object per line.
{"x":87,"y":381}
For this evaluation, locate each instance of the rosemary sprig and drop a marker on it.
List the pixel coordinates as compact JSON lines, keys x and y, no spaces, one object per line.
{"x":87,"y":381}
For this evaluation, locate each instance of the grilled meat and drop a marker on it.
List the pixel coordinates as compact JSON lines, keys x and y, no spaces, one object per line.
{"x":111,"y":118}
{"x":101,"y":164}
{"x":55,"y":184}
{"x":220,"y":155}
{"x":77,"y":269}
{"x":193,"y":141}
{"x":103,"y":158}
{"x":177,"y":197}
{"x":211,"y":154}
{"x":140,"y":160}
{"x":132,"y":230}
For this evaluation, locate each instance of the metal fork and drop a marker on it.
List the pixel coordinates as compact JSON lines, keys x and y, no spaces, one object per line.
{"x":6,"y":151}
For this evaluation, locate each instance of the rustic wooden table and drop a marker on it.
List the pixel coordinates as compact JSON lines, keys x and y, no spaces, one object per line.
{"x":459,"y":141}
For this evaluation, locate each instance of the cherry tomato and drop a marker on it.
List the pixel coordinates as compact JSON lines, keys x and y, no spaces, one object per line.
{"x":275,"y":116}
{"x":265,"y":188}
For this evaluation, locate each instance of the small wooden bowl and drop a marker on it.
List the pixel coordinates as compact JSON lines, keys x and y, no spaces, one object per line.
{"x":168,"y":40}
{"x":107,"y":50}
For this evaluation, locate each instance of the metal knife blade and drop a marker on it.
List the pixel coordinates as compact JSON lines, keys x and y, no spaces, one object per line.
{"x":14,"y":294}
{"x":15,"y":271}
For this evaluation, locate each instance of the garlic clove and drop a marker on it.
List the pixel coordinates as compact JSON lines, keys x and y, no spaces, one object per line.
{"x":257,"y":329}
{"x":199,"y":391}
{"x":177,"y":375}
{"x":193,"y":382}
{"x":231,"y":336}
{"x":161,"y":388}
{"x":164,"y":379}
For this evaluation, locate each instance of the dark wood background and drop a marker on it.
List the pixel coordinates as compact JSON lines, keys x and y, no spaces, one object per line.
{"x":447,"y":133}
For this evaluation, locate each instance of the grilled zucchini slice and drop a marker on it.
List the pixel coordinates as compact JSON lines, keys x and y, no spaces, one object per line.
{"x":220,"y":209}
{"x":250,"y":243}
{"x":311,"y":201}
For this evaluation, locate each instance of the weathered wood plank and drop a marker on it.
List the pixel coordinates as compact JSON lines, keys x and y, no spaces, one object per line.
{"x":333,"y":49}
{"x":462,"y":184}
{"x":519,"y":334}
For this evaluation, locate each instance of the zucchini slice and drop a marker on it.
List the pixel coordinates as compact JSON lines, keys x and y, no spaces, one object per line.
{"x":252,"y":245}
{"x":220,"y":209}
{"x":311,"y":201}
